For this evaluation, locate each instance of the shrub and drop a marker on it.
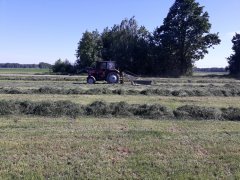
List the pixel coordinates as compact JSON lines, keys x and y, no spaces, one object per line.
{"x":63,"y":67}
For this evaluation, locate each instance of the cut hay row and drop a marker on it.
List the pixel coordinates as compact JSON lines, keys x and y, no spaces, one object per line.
{"x":20,"y":77}
{"x":223,"y":91}
{"x":82,"y":79}
{"x":120,"y":109}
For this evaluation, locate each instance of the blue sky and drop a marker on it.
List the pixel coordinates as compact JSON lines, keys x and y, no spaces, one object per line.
{"x":33,"y":31}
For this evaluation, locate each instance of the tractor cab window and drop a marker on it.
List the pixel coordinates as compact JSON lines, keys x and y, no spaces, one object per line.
{"x":101,"y":65}
{"x":105,"y":65}
{"x":111,"y":65}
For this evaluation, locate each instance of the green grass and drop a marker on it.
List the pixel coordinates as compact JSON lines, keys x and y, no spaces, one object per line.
{"x":23,"y":71}
{"x":210,"y":74}
{"x":117,"y":148}
{"x":89,"y":148}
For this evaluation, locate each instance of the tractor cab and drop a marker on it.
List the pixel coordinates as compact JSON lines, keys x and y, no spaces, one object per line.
{"x":104,"y":71}
{"x":105,"y":65}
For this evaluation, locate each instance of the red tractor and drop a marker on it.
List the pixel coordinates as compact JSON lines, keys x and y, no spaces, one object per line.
{"x":104,"y":71}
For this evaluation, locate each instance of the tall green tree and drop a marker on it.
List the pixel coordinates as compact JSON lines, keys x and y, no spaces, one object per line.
{"x":184,"y":37}
{"x":89,"y":49}
{"x":119,"y":43}
{"x":234,"y":59}
{"x":127,"y":44}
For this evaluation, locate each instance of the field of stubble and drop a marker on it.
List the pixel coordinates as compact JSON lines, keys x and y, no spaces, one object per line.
{"x":59,"y":127}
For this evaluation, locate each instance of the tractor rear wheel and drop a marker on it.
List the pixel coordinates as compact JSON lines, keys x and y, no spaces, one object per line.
{"x":91,"y":80}
{"x":113,"y":78}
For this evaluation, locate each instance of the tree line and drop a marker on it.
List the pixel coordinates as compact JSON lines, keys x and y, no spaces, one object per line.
{"x":170,"y":50}
{"x":213,"y":69}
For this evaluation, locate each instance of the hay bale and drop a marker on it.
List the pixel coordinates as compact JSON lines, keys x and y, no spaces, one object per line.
{"x":95,"y":91}
{"x":231,"y":113}
{"x":201,"y":92}
{"x":121,"y":109}
{"x":26,"y":107}
{"x":106,"y":91}
{"x":49,"y":90}
{"x":163,"y":92}
{"x":155,"y":111}
{"x":179,"y":93}
{"x":13,"y":91}
{"x":197,"y":112}
{"x":118,"y":91}
{"x":75,"y":91}
{"x":132,"y":92}
{"x":67,"y":108}
{"x":159,"y":92}
{"x":229,"y":86}
{"x":98,"y":108}
{"x":7,"y":107}
{"x":147,"y":92}
{"x":54,"y":109}
{"x":217,"y":92}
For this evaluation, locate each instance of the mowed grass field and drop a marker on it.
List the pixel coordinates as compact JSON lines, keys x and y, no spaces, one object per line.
{"x":87,"y":147}
{"x":95,"y":148}
{"x":23,"y":71}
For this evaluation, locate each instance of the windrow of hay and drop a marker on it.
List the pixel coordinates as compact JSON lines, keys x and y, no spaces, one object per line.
{"x":224,"y":91}
{"x":119,"y":109}
{"x":44,"y":108}
{"x":82,"y":79}
{"x":123,"y":109}
{"x":187,"y":112}
{"x":18,"y":77}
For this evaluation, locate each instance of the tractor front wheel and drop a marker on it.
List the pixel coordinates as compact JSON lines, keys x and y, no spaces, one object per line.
{"x":91,"y":80}
{"x":113,"y":78}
